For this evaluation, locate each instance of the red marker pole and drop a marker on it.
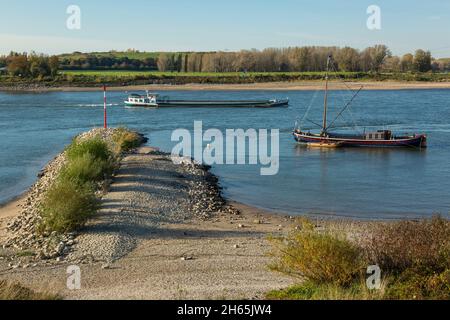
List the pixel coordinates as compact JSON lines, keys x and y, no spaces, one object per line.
{"x":105,"y":119}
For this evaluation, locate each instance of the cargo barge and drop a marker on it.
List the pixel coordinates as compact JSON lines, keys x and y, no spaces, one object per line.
{"x":153,"y":100}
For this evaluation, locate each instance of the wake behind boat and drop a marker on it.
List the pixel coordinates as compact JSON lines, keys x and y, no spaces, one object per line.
{"x":153,"y":100}
{"x":328,"y":139}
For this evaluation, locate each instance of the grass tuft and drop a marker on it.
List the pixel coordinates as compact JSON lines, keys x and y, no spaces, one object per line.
{"x":86,"y":168}
{"x":310,"y":290}
{"x":14,"y":291}
{"x":126,"y":140}
{"x":96,"y":147}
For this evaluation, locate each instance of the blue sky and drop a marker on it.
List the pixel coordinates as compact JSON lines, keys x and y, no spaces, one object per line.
{"x":201,"y":25}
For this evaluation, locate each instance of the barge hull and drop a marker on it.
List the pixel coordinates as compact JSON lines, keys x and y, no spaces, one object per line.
{"x":222,"y":104}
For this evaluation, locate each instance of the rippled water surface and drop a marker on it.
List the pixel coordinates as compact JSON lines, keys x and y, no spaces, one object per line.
{"x":365,"y":183}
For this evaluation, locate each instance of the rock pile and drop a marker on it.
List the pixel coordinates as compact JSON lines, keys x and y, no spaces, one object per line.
{"x":205,"y":192}
{"x":22,"y":230}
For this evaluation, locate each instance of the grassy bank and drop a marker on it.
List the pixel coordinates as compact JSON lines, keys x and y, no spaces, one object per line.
{"x":73,"y":197}
{"x":414,"y":258}
{"x":125,"y":78}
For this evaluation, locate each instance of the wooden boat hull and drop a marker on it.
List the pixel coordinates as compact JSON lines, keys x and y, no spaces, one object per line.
{"x":419,"y":141}
{"x":325,"y":145}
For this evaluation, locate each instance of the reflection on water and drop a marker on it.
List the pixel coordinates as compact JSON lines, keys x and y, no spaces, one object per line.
{"x":361,"y":182}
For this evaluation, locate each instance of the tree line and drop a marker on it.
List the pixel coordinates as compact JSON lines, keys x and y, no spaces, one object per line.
{"x":374,"y":59}
{"x":108,"y":62}
{"x":301,"y":59}
{"x":30,"y":65}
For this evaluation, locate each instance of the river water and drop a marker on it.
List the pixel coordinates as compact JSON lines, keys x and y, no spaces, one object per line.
{"x":362,"y":183}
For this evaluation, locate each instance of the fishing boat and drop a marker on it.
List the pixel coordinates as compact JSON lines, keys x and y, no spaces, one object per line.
{"x":154,"y":100}
{"x":376,"y":138}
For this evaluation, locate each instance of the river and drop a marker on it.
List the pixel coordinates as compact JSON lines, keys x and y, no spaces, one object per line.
{"x":361,"y":183}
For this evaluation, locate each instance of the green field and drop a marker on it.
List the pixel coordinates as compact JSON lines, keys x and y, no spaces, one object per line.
{"x":88,"y":78}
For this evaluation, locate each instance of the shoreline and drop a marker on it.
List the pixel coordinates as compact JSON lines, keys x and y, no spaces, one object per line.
{"x":14,"y":199}
{"x":270,"y":86}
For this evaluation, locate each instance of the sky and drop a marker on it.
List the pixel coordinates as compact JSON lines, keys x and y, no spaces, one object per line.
{"x":212,"y":25}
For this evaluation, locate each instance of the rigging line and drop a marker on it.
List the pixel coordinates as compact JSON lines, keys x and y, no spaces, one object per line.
{"x":352,"y":119}
{"x":346,"y":106}
{"x":345,"y":98}
{"x":335,"y":70}
{"x":309,"y":107}
{"x":317,"y":124}
{"x":352,"y":125}
{"x":356,"y":127}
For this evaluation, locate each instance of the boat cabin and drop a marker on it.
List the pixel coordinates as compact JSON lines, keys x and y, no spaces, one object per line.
{"x":379,"y":135}
{"x":137,"y":98}
{"x":141,"y":99}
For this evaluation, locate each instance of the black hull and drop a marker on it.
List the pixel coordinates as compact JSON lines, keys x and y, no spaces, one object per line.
{"x":221,"y":104}
{"x":418,"y":141}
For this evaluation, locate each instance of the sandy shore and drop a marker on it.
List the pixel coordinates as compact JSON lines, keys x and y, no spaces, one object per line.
{"x":276,"y":86}
{"x":9,"y":211}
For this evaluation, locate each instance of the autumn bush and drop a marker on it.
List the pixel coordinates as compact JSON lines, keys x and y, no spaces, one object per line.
{"x":320,"y":257}
{"x":399,"y":245}
{"x":416,"y":254}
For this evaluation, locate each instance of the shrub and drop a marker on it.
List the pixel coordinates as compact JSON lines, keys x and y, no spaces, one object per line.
{"x":95,"y":147}
{"x":67,"y":205}
{"x":86,"y":168}
{"x":420,"y":283}
{"x":401,"y":245}
{"x":126,"y":140}
{"x":320,"y":257}
{"x":414,"y":257}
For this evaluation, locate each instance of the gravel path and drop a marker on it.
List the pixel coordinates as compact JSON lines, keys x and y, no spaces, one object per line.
{"x":150,"y":241}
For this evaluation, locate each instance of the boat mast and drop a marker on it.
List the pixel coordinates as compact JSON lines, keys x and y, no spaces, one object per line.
{"x":325,"y":105}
